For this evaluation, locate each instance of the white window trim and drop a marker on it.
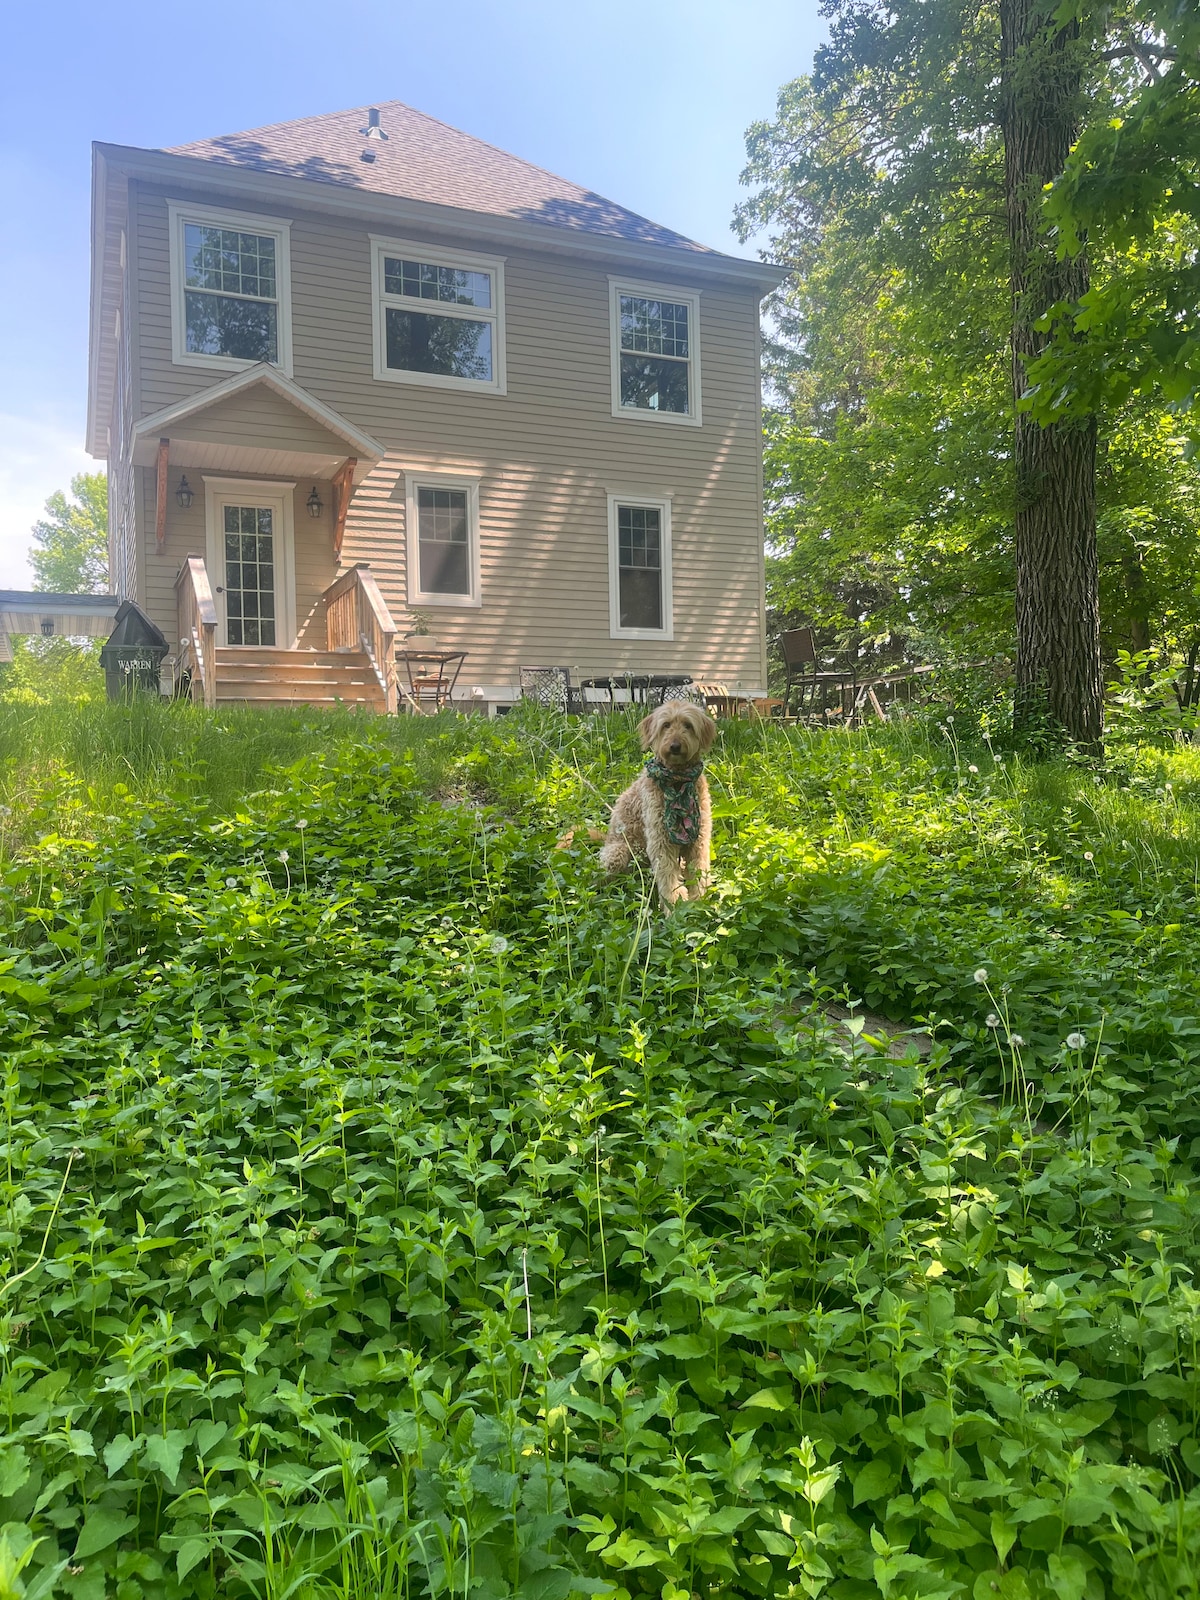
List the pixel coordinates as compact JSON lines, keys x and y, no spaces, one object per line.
{"x":179,"y":213}
{"x":220,"y":492}
{"x":655,"y":291}
{"x":615,"y":630}
{"x":441,"y":480}
{"x":436,"y":255}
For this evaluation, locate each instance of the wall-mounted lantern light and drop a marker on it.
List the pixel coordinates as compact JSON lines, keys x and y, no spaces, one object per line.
{"x":184,"y":493}
{"x":47,"y":627}
{"x":313,"y":503}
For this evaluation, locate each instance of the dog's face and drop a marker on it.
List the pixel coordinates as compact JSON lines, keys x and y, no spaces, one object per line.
{"x":678,"y":733}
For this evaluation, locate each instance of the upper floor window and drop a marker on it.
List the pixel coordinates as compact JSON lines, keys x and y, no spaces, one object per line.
{"x":655,"y":352}
{"x":439,"y":317}
{"x":229,"y":288}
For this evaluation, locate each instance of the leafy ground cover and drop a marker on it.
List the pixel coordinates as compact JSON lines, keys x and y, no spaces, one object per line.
{"x":390,"y":1207}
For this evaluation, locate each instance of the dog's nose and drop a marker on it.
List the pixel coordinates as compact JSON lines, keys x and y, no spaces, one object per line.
{"x":675,"y":748}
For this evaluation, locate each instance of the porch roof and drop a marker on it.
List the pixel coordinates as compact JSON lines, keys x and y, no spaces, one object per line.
{"x":87,"y":616}
{"x":257,"y":421}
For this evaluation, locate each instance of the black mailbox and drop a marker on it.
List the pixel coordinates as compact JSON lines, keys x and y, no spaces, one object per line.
{"x":132,"y":655}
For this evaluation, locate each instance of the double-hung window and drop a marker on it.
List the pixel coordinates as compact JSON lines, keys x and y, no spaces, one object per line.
{"x":229,"y":288}
{"x":655,"y":352}
{"x":439,"y":317}
{"x":639,"y":567}
{"x":443,"y":540}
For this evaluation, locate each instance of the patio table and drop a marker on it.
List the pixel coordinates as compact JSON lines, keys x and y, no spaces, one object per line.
{"x":644,"y":688}
{"x":431,"y":675}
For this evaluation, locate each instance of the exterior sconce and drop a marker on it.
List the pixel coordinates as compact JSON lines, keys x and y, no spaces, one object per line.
{"x":313,"y":503}
{"x":184,"y":493}
{"x":47,"y":627}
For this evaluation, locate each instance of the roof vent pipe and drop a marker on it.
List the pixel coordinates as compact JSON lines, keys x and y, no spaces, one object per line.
{"x":372,"y":129}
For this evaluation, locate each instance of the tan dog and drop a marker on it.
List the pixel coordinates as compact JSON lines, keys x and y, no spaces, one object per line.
{"x":664,"y":815}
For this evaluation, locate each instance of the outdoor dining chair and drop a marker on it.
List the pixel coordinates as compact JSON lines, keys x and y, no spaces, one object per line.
{"x":551,"y":687}
{"x":807,"y":690}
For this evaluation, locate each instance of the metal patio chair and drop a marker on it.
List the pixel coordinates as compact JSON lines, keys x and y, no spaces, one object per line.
{"x":551,"y":687}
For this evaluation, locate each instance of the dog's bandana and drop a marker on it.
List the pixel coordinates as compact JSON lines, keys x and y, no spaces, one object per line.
{"x":681,"y":800}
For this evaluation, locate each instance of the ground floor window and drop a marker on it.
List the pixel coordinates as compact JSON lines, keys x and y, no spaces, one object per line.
{"x":639,"y":566}
{"x":443,"y":541}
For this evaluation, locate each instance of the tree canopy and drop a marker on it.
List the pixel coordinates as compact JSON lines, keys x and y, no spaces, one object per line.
{"x":70,"y":554}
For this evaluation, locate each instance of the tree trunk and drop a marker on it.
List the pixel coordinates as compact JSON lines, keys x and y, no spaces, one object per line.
{"x":1058,"y":690}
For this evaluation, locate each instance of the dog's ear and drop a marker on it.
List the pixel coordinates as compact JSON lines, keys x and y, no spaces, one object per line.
{"x":708,"y":732}
{"x":647,"y":728}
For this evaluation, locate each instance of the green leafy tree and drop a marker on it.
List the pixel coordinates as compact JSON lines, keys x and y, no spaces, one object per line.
{"x":71,"y":541}
{"x":904,"y":183}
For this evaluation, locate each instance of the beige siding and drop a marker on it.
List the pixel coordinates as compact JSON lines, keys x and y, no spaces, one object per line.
{"x":546,"y":454}
{"x":264,"y":417}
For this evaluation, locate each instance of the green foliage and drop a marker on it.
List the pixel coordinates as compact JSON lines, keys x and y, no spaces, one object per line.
{"x":46,"y":670}
{"x":71,"y":554}
{"x":392,"y":1207}
{"x":1132,"y":186}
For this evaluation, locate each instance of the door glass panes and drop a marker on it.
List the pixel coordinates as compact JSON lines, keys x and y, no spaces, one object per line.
{"x":639,"y":566}
{"x":443,"y":538}
{"x":655,"y":355}
{"x":249,"y":575}
{"x":230,"y":293}
{"x":454,"y":347}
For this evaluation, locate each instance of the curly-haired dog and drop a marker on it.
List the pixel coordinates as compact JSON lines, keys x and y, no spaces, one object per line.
{"x":664,"y":814}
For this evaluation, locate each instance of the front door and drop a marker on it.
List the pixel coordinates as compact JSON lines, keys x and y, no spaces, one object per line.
{"x":250,"y":562}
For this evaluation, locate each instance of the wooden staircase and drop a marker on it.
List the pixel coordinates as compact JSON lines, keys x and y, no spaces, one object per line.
{"x":263,"y":676}
{"x":357,"y":669}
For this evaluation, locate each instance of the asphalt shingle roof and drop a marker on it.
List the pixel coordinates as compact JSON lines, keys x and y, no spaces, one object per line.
{"x":423,"y":159}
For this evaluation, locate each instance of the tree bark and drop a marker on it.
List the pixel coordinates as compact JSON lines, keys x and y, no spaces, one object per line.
{"x":1058,"y":688}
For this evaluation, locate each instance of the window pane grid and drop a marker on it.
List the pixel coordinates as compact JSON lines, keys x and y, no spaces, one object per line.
{"x":443,"y":541}
{"x":226,"y":261}
{"x":425,"y":280}
{"x":639,"y":567}
{"x":654,"y":327}
{"x":249,"y":575}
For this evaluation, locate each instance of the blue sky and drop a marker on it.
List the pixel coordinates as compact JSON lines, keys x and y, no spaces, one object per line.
{"x":645,"y":101}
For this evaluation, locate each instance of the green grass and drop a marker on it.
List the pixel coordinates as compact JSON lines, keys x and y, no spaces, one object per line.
{"x":390,"y":1207}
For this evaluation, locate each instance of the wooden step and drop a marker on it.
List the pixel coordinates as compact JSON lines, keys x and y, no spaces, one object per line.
{"x":270,"y":655}
{"x":264,"y":675}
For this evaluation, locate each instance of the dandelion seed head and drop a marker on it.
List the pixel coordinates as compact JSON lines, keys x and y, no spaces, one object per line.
{"x":302,"y":824}
{"x":1088,"y":856}
{"x":1076,"y":1041}
{"x":231,"y":883}
{"x":991,"y":1020}
{"x":499,"y":945}
{"x":981,"y":974}
{"x":972,"y":768}
{"x":1016,"y":1039}
{"x":283,"y":856}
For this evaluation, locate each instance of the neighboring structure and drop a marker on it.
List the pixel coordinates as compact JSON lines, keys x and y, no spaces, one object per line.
{"x":42,"y":614}
{"x":367,"y":338}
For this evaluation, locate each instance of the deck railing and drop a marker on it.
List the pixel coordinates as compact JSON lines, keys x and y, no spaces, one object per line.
{"x":357,"y":618}
{"x":196,"y":629}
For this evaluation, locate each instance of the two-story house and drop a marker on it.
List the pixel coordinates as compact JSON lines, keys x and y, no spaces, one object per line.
{"x":369,"y":341}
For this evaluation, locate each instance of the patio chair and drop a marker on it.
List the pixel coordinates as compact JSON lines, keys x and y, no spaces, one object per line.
{"x":551,"y":687}
{"x":813,"y":690}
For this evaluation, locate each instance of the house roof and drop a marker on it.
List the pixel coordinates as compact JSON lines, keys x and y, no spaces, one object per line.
{"x":419,"y":158}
